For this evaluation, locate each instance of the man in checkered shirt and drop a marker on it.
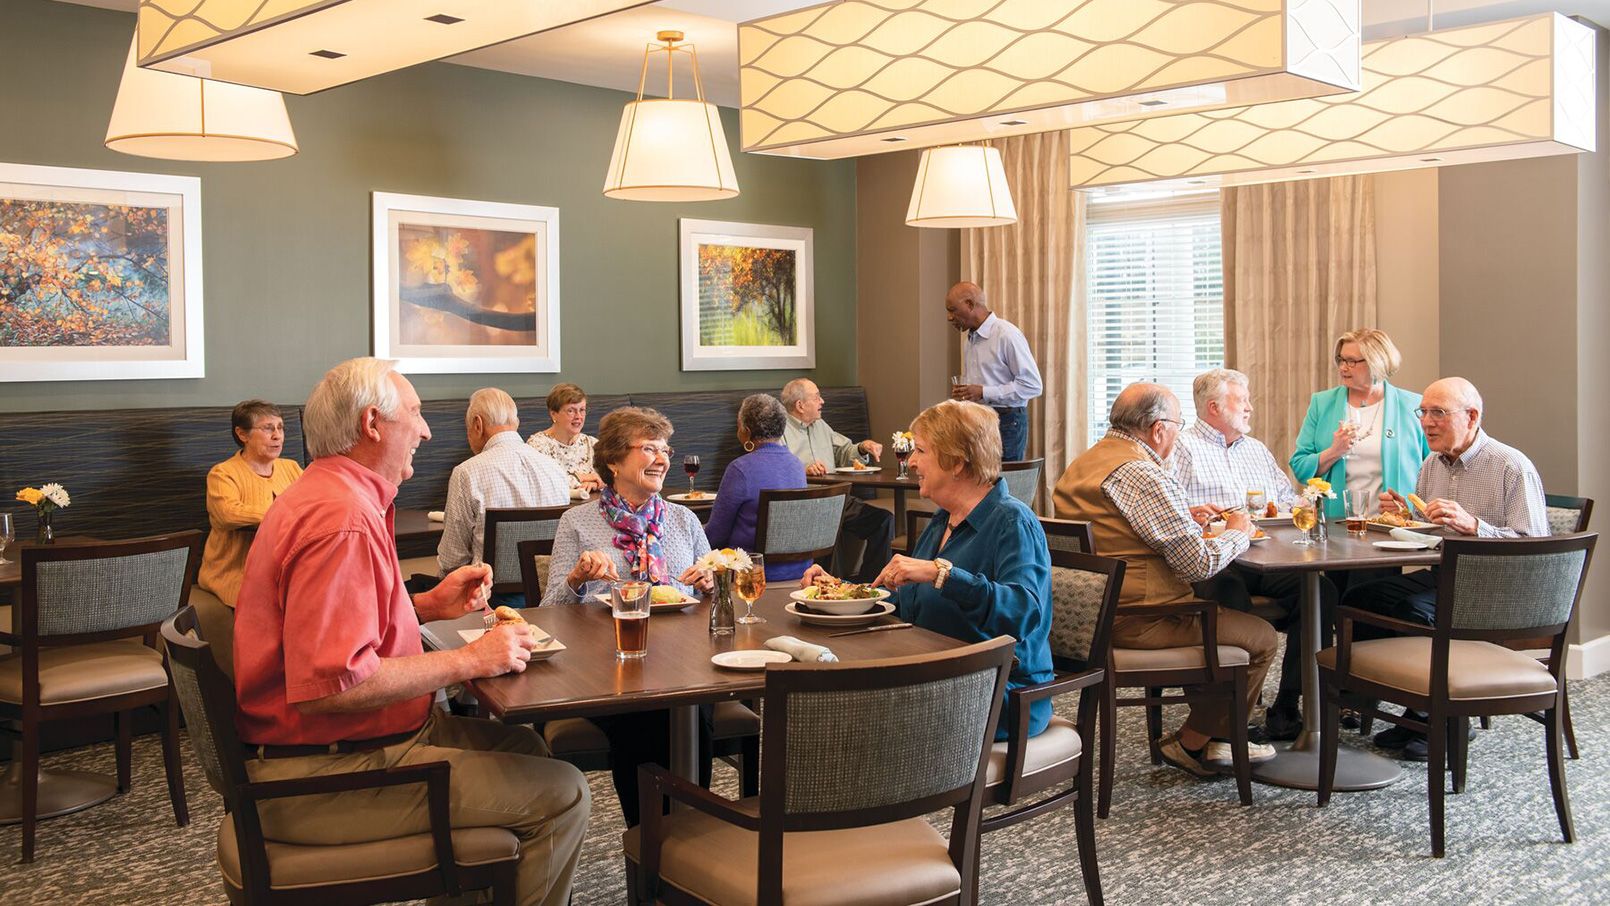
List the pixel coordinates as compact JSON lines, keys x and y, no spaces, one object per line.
{"x":1472,"y":485}
{"x":1217,"y":464}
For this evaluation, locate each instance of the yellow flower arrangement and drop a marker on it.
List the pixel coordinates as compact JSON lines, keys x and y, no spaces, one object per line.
{"x":30,"y":496}
{"x":1319,"y":484}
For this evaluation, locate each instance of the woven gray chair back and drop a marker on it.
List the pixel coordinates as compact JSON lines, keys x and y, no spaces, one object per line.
{"x":210,"y":719}
{"x":1023,"y":484}
{"x":1562,"y":520}
{"x":506,"y":560}
{"x":864,"y":748}
{"x":1060,"y":542}
{"x":105,"y":594}
{"x":799,"y":526}
{"x":1515,"y":592}
{"x":1075,"y":608}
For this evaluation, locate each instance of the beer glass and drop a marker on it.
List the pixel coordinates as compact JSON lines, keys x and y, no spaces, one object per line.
{"x":629,"y":603}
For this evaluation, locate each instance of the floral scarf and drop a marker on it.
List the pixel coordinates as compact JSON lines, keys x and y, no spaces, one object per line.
{"x":637,"y":534}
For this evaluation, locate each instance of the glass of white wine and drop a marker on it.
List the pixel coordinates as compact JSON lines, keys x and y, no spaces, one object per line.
{"x":8,"y":535}
{"x":750,"y":585}
{"x":1304,"y":518}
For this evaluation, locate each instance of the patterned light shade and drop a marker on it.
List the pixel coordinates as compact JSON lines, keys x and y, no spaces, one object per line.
{"x":865,"y":76}
{"x":175,"y":117}
{"x":1496,"y":91}
{"x":670,"y":149}
{"x":961,"y":186}
{"x":302,"y":46}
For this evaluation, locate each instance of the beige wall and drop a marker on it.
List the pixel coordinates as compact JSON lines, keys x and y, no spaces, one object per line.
{"x":1406,"y":271}
{"x":1592,"y":341}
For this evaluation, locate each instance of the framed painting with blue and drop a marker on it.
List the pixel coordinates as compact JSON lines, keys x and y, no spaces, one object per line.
{"x":100,"y":275}
{"x":747,"y":296}
{"x":465,"y":287}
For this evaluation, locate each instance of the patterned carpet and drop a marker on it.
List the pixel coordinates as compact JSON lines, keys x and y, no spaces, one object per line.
{"x":1170,"y":838}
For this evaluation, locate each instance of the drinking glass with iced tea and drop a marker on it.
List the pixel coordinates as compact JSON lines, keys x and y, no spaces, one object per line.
{"x":750,"y":584}
{"x":1358,"y":512}
{"x":629,"y":603}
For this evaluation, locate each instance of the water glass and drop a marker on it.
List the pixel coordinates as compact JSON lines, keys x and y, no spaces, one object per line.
{"x":629,"y":605}
{"x":8,"y":535}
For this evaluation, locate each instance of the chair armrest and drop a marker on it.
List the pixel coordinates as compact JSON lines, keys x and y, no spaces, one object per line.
{"x":656,"y":781}
{"x":1199,"y":608}
{"x":1385,"y":622}
{"x":1062,"y":685}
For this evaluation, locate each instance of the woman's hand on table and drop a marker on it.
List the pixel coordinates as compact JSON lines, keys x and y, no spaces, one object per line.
{"x":698,"y":578}
{"x":589,"y":566}
{"x":505,"y":648}
{"x":464,"y":590}
{"x":590,"y":482}
{"x":903,"y":570}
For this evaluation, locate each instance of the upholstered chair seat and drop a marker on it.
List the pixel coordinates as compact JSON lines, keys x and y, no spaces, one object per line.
{"x":1058,"y":743}
{"x":1475,"y":669}
{"x":292,"y":866}
{"x":86,"y":672}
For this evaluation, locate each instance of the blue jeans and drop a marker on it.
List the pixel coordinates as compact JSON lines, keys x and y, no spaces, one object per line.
{"x":1014,"y":433}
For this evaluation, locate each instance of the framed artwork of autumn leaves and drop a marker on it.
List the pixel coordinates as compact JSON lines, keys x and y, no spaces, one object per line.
{"x":465,"y":286}
{"x":100,"y":275}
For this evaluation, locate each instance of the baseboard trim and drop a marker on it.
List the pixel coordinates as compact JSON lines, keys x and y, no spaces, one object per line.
{"x":1588,"y":659}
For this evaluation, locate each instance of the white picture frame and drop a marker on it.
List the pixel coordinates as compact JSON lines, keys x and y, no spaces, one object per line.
{"x":117,"y":294}
{"x":716,"y":317}
{"x":449,"y":283}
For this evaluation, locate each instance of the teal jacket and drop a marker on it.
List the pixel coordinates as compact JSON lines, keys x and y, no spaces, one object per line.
{"x":1403,"y":445}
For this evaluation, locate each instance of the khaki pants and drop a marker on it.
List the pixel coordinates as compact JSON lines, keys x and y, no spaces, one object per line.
{"x":1237,"y":629}
{"x":501,"y":777}
{"x":217,"y":627}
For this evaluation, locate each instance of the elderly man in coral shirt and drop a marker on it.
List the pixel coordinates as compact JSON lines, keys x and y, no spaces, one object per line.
{"x":330,"y":673}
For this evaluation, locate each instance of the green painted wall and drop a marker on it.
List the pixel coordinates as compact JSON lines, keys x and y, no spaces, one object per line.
{"x":287,"y":247}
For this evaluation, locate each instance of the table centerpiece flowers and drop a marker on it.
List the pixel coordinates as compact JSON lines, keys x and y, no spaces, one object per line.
{"x":45,"y":499}
{"x":1311,"y":516}
{"x":723,"y":565}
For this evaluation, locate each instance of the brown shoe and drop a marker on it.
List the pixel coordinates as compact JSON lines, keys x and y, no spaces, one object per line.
{"x":1174,"y":753}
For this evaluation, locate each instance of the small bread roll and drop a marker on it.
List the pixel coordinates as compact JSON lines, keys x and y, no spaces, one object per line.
{"x":508,"y":615}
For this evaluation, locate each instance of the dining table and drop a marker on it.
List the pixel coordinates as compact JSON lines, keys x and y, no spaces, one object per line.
{"x":586,"y":679}
{"x":883,"y":479}
{"x":1297,"y":766}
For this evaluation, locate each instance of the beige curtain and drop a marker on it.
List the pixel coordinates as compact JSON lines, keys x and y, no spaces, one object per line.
{"x":1029,"y":272}
{"x":1299,"y":270}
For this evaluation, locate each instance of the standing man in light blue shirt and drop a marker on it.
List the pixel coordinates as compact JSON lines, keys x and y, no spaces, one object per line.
{"x":997,"y":368}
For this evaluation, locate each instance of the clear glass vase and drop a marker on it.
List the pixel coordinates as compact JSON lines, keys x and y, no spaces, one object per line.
{"x":722,"y":615}
{"x":46,"y":534}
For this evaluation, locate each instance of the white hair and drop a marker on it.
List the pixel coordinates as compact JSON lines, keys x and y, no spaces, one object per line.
{"x":794,"y":392}
{"x":330,"y":418}
{"x":1209,"y":386}
{"x":494,"y":406}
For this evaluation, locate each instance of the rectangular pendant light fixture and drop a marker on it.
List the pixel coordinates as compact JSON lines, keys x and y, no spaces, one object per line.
{"x":1496,"y":91}
{"x":860,"y":77}
{"x":303,"y":46}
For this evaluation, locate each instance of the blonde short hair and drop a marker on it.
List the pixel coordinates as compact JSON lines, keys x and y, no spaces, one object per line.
{"x":1383,"y":357}
{"x":330,"y":418}
{"x":966,"y":433}
{"x":620,"y":431}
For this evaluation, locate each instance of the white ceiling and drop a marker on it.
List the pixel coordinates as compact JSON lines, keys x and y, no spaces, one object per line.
{"x":608,"y":51}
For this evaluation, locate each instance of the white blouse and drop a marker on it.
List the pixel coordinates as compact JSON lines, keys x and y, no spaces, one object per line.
{"x":575,"y":458}
{"x":1364,"y":460}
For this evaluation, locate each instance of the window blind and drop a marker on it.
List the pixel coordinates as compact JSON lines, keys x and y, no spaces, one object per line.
{"x":1155,"y":297}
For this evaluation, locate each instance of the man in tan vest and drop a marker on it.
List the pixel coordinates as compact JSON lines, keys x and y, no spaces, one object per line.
{"x":1124,"y":488}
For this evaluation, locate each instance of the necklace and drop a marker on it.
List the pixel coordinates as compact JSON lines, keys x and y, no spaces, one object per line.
{"x":1359,"y":435}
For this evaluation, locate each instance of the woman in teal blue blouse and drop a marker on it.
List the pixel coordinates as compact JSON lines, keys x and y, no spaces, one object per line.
{"x":1362,"y":435}
{"x":982,"y":568}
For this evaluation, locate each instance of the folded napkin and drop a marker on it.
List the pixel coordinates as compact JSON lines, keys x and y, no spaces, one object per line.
{"x":436,"y":516}
{"x":578,"y":493}
{"x":801,"y":651}
{"x":1430,"y":541}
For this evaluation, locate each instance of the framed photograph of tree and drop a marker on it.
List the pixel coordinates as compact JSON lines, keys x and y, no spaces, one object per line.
{"x":100,"y":275}
{"x":465,"y":287}
{"x":747,"y":296}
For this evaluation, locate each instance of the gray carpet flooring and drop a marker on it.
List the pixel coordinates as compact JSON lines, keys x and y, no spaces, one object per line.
{"x":1171,"y":838}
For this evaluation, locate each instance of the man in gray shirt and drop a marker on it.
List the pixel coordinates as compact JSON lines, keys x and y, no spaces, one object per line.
{"x":821,"y":448}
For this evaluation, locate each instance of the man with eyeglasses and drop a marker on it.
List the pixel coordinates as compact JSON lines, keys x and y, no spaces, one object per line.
{"x":1472,"y":485}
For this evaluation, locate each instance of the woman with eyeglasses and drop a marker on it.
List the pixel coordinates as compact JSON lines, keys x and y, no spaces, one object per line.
{"x":1362,"y":435}
{"x":239,"y":491}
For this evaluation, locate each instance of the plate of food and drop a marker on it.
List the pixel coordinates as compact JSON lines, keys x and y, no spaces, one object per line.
{"x":662,"y":599}
{"x":547,"y":645}
{"x":1276,"y":516}
{"x":839,"y":598}
{"x":691,"y":496}
{"x":1386,"y":522}
{"x":1259,"y":535}
{"x":811,"y":617}
{"x":856,"y":467}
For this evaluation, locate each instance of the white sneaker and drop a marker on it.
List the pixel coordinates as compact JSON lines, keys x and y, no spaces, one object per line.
{"x":1219,"y":755}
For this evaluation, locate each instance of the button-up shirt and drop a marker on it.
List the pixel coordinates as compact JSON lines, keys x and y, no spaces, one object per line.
{"x":998,"y":359}
{"x":506,"y":473}
{"x":1494,"y":482}
{"x":1155,"y":506}
{"x":1212,"y":471}
{"x":816,"y":442}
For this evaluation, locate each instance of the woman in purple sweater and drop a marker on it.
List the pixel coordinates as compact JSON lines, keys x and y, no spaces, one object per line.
{"x":766,"y":465}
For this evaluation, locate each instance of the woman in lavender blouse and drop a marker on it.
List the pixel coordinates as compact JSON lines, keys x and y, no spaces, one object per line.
{"x":767,"y":465}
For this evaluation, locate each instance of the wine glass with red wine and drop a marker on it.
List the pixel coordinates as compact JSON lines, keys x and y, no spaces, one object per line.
{"x":690,"y":465}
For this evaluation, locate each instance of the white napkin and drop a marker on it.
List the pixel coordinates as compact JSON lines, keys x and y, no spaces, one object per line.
{"x":802,"y":651}
{"x":578,"y":493}
{"x":1430,"y":541}
{"x":436,"y":516}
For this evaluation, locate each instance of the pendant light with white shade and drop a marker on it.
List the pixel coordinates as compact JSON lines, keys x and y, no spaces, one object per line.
{"x":177,"y":117}
{"x":961,"y":186}
{"x":670,"y":148}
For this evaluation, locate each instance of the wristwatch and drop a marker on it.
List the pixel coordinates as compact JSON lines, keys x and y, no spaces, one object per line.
{"x":943,"y":566}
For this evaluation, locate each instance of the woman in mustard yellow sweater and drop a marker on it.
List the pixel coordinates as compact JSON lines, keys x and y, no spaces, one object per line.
{"x":239,"y":490}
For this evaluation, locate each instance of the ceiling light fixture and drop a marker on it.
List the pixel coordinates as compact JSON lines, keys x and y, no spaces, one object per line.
{"x":670,"y":149}
{"x":175,"y":117}
{"x":1497,"y":91}
{"x":826,"y":81}
{"x":278,"y":44}
{"x":961,"y":186}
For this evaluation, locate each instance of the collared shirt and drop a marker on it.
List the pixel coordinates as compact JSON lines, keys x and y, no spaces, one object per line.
{"x":506,"y":473}
{"x":584,"y":528}
{"x":1212,"y":471}
{"x":817,"y":442}
{"x":732,"y":520}
{"x":999,"y":584}
{"x":1494,"y":482}
{"x":575,"y":458}
{"x":999,"y":360}
{"x":321,"y":606}
{"x":1155,"y":506}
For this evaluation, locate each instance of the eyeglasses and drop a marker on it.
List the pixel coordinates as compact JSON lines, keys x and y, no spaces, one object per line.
{"x":1174,"y":421}
{"x":655,"y":450}
{"x":270,"y":430}
{"x":1436,"y":415}
{"x":1351,"y":363}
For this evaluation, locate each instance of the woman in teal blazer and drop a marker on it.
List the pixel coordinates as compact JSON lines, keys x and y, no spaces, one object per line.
{"x":1364,"y":360}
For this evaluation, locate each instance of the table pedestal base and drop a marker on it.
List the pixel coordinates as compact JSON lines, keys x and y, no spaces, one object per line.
{"x":1298,"y":769}
{"x":60,"y":792}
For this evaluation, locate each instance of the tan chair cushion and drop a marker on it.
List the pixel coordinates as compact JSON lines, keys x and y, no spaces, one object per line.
{"x":1174,"y":658}
{"x":570,"y":735}
{"x":902,"y":863}
{"x":1475,"y":669}
{"x":1058,"y":743}
{"x":733,"y":720}
{"x":291,"y":865}
{"x":83,"y":672}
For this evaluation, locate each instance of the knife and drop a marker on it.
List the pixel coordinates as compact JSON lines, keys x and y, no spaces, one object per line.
{"x":883,"y":628}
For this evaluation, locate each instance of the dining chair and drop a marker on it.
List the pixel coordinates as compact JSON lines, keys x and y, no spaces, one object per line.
{"x":259,"y":872}
{"x":1488,"y":591}
{"x":916,"y":522}
{"x":1022,"y":479}
{"x":505,"y":528}
{"x":800,"y":523}
{"x":1053,"y":769}
{"x":854,"y":755}
{"x":83,"y":639}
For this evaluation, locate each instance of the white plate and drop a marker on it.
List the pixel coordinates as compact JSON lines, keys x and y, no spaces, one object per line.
{"x":845,"y":620}
{"x":686,"y":497}
{"x":1402,"y":545}
{"x":852,"y":470}
{"x":540,"y":653}
{"x":684,"y":604}
{"x":1415,"y":526}
{"x":839,"y":608}
{"x":1258,"y":539}
{"x":1278,"y":517}
{"x":749,"y":659}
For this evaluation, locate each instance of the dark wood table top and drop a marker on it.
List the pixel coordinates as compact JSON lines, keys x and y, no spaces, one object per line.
{"x":871,"y":478}
{"x":587,"y":679}
{"x":413,"y":525}
{"x":1341,"y":552}
{"x":11,"y":570}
